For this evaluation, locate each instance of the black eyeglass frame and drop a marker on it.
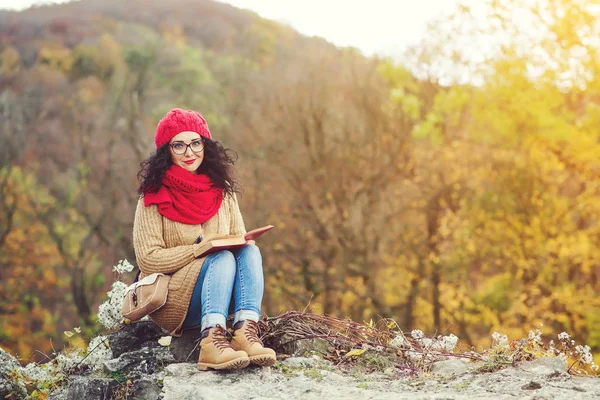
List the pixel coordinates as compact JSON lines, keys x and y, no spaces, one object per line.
{"x":186,"y":146}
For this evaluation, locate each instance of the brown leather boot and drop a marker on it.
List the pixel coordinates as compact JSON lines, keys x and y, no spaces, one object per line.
{"x":216,"y":352}
{"x":246,"y":338}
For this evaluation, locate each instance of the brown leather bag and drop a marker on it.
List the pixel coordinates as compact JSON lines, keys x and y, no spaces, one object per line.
{"x":145,"y":296}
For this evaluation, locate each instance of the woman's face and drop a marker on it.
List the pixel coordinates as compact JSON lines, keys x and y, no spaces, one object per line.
{"x":187,"y":150}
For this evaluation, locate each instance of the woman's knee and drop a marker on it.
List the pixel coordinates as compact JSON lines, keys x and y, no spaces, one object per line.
{"x":223,"y":262}
{"x":251,"y":253}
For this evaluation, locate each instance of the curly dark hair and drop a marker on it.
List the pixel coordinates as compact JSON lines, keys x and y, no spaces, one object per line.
{"x":218,"y":164}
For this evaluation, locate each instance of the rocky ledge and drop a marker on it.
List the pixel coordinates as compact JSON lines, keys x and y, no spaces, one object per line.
{"x":141,"y":368}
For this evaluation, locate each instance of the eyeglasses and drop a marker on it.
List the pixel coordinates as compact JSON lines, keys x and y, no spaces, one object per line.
{"x":180,"y":148}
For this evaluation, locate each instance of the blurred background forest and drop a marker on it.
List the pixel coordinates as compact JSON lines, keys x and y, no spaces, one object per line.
{"x":450,"y":205}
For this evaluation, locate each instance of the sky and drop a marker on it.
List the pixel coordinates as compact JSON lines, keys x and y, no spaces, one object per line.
{"x":383,"y":27}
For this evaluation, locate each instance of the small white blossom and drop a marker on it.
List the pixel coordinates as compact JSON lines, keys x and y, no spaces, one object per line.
{"x":98,"y":352}
{"x":563,"y":336}
{"x":417,"y":334}
{"x":500,"y":339}
{"x":444,"y":343}
{"x":39,"y":373}
{"x":426,"y":342}
{"x":449,"y":342}
{"x":584,"y":352}
{"x":109,"y":312}
{"x":535,"y":336}
{"x":67,"y":362}
{"x":123,"y":266}
{"x":398,"y":341}
{"x":414,"y":356}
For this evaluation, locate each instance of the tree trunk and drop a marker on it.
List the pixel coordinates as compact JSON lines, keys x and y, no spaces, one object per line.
{"x":435,"y":298}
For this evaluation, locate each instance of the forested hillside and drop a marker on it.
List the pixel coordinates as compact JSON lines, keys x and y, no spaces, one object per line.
{"x":445,"y":205}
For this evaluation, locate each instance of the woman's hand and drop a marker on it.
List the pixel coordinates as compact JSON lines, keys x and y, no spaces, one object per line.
{"x":250,"y":242}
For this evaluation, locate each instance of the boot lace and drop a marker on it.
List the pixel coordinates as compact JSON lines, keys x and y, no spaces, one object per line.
{"x":220,"y":338}
{"x":251,"y":332}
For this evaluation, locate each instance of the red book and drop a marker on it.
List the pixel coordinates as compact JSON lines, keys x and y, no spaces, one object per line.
{"x":213,"y":243}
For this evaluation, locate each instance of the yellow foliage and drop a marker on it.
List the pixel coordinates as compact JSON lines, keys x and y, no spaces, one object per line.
{"x":10,"y":61}
{"x":56,"y":56}
{"x":174,"y":34}
{"x":355,"y":352}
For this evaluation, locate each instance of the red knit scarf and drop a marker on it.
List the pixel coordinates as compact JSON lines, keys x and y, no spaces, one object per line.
{"x":185,"y":197}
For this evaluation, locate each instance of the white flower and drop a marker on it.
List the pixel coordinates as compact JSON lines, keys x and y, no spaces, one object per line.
{"x":109,"y":312}
{"x":535,"y":336}
{"x":449,"y":342}
{"x":67,"y":362}
{"x":98,"y":352}
{"x":39,"y":373}
{"x":426,"y":342}
{"x":563,"y":336}
{"x":417,"y":334}
{"x":584,"y":352}
{"x":500,"y":339}
{"x":398,"y":341}
{"x":414,"y":356}
{"x":442,"y":343}
{"x":123,"y":266}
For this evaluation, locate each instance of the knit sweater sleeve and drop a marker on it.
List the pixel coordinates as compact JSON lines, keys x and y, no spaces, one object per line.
{"x":237,"y":222}
{"x":148,"y":241}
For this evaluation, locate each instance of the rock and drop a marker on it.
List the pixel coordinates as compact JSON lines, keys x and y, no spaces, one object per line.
{"x":8,"y":385}
{"x":544,"y":366}
{"x":7,"y":362}
{"x":135,"y":336}
{"x":298,"y":362}
{"x":183,"y":381}
{"x":289,"y":344}
{"x":531,"y":386}
{"x":146,"y":388}
{"x":181,"y":370}
{"x":91,"y":388}
{"x":60,"y":394}
{"x":144,"y":361}
{"x":307,"y":362}
{"x":194,"y":393}
{"x":450,"y":367}
{"x":186,"y":348}
{"x":376,"y":361}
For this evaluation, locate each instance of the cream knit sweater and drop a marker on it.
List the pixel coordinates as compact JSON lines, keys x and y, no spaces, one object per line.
{"x":166,"y":246}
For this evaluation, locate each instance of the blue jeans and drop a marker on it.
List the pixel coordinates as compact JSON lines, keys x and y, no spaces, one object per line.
{"x":227,"y":276}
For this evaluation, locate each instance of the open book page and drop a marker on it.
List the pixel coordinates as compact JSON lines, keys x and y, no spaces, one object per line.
{"x":254,"y":233}
{"x":224,"y":243}
{"x":213,"y":243}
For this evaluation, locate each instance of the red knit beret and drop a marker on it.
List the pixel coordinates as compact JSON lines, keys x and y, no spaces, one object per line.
{"x":177,"y":121}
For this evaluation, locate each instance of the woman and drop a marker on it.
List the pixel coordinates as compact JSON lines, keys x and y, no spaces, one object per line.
{"x":188,"y":192}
